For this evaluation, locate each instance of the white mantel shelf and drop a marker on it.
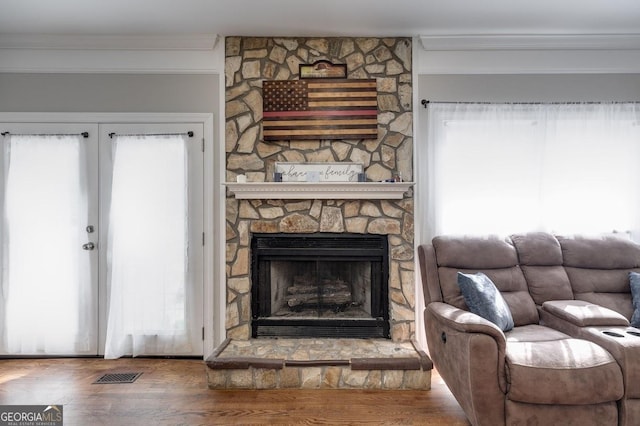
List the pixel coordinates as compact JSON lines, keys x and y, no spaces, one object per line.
{"x":319,"y":190}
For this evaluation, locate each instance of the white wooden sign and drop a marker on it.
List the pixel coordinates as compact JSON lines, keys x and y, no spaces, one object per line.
{"x":318,"y":172}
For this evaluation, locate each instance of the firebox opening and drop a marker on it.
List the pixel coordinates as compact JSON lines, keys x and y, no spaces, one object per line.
{"x":321,"y":289}
{"x":320,"y":285}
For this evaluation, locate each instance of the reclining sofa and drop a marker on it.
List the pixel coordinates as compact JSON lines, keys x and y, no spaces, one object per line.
{"x":571,"y":356}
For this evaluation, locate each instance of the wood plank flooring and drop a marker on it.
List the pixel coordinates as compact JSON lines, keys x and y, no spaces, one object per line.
{"x":174,"y":392}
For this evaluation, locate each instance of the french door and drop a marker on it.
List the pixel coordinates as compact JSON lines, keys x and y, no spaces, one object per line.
{"x":101,"y":239}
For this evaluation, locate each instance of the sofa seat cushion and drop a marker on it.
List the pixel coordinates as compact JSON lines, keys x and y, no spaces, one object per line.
{"x":563,"y":371}
{"x":534,"y":333}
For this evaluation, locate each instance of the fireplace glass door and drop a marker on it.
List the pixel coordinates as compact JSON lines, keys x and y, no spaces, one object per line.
{"x":320,"y":285}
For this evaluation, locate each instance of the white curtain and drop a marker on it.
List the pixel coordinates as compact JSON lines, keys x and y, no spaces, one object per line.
{"x":505,"y":168}
{"x":147,"y":248}
{"x":45,"y":274}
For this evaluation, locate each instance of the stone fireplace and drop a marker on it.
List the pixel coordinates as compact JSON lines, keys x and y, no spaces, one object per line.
{"x":249,"y":61}
{"x":319,"y":285}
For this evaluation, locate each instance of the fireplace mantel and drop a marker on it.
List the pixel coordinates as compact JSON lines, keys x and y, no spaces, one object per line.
{"x":319,"y":190}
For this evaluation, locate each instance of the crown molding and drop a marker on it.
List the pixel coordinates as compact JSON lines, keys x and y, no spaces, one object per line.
{"x":176,"y":59}
{"x":108,"y":42}
{"x":531,"y":42}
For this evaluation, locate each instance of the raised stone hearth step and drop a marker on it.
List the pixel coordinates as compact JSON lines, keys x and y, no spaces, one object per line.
{"x":318,"y":364}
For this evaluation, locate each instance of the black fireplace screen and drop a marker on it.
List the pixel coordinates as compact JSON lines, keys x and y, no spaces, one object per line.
{"x":320,"y":285}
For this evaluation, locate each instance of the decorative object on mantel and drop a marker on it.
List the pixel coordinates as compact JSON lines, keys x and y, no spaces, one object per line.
{"x":318,"y":172}
{"x":397,"y":177}
{"x":323,"y":69}
{"x":319,"y":190}
{"x":314,"y":109}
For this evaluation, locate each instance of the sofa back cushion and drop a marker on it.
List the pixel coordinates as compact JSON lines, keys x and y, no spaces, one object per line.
{"x":495,"y":257}
{"x":598,"y":270}
{"x":540,"y":257}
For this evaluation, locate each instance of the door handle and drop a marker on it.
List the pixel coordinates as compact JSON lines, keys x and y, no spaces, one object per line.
{"x":88,"y":246}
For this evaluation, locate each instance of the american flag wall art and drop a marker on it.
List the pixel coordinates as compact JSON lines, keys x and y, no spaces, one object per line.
{"x":320,"y":109}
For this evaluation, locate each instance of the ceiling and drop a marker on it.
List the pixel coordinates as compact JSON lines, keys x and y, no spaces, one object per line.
{"x":319,"y":17}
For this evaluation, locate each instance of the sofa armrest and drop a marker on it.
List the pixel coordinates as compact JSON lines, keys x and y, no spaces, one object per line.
{"x":469,"y":354}
{"x":429,"y":274}
{"x":467,"y":322}
{"x":584,"y":314}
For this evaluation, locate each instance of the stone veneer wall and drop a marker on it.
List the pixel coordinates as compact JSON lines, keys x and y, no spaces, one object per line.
{"x":249,"y":61}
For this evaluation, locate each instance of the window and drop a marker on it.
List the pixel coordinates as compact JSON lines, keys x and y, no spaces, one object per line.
{"x":506,"y":168}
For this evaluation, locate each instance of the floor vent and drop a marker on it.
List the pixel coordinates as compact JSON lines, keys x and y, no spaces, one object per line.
{"x":118,"y":378}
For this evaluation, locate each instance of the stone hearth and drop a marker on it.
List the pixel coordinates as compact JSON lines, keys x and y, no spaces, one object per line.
{"x":318,"y":364}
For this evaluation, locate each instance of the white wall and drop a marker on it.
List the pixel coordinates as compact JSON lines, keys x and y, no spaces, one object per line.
{"x":528,"y":87}
{"x":529,"y":61}
{"x":99,"y":92}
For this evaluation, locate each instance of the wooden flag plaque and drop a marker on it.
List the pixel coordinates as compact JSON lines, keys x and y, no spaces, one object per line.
{"x":320,"y":109}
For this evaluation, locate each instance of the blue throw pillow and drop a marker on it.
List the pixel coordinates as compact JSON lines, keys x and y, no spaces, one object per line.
{"x":634,"y":281}
{"x":484,"y":299}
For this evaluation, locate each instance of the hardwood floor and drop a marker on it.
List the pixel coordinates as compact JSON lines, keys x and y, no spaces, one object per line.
{"x":174,"y":392}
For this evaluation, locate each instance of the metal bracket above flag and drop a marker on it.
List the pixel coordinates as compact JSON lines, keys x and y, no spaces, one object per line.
{"x":320,"y":109}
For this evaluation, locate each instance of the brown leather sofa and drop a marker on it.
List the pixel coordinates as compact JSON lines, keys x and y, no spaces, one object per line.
{"x":571,"y":357}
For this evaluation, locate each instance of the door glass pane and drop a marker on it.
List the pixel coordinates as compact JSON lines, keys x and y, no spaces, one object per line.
{"x":148,"y":247}
{"x":46,"y":278}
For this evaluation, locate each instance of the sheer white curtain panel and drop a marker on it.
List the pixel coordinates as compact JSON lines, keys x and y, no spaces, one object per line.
{"x":44,"y":271}
{"x":147,"y":248}
{"x":504,"y":168}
